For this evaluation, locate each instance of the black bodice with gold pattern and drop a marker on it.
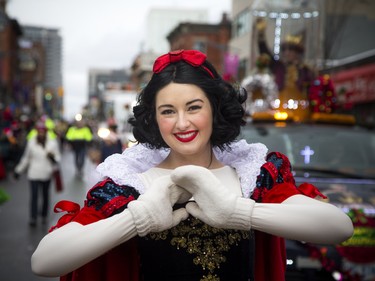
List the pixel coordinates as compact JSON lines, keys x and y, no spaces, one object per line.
{"x":194,"y":251}
{"x":188,"y":252}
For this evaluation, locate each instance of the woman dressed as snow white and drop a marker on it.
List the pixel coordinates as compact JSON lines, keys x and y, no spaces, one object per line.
{"x":189,"y":201}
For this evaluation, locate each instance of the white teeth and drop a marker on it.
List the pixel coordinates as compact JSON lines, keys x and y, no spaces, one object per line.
{"x":185,"y":136}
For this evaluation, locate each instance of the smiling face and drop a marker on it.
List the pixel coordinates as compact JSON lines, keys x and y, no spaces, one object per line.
{"x":184,"y":117}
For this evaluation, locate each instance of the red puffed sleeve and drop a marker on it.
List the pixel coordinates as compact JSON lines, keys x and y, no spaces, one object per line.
{"x":275,"y":183}
{"x":103,"y":200}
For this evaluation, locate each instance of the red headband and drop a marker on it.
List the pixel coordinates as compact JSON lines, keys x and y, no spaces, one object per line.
{"x":192,"y":57}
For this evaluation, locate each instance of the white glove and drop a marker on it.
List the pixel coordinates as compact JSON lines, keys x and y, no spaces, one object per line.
{"x":153,"y":212}
{"x":214,"y":203}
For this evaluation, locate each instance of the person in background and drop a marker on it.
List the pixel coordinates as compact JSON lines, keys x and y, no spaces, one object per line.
{"x":50,"y":125}
{"x":61,"y":128}
{"x":191,"y":201}
{"x":12,"y":141}
{"x":110,"y":143}
{"x":39,"y":159}
{"x":11,"y":146}
{"x":79,"y":137}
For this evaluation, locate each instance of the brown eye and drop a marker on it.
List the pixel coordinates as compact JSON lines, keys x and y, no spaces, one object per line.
{"x":194,"y":107}
{"x":166,"y":112}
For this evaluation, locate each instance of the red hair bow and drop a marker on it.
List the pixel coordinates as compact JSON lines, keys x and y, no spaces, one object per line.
{"x":192,"y":57}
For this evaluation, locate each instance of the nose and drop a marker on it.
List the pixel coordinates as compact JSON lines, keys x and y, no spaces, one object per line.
{"x":182,"y":121}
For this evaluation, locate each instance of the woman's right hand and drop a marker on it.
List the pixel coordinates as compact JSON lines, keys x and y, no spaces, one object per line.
{"x":153,"y":210}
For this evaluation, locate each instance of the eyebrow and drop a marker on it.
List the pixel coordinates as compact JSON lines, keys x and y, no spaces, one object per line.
{"x":188,"y":103}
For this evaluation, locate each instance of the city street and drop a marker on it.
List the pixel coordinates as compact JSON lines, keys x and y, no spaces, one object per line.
{"x":18,"y":239}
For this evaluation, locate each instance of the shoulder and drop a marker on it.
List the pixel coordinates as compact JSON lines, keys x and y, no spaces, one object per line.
{"x":279,"y":167}
{"x":31,"y":143}
{"x":105,"y":199}
{"x":275,"y":183}
{"x":52,"y":141}
{"x":247,"y":159}
{"x":109,"y":197}
{"x":124,"y":168}
{"x":275,"y":174}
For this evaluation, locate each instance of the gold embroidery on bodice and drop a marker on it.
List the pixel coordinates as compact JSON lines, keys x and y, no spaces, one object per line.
{"x":207,"y":244}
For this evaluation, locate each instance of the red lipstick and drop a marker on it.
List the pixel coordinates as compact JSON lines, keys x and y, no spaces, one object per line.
{"x":186,"y":136}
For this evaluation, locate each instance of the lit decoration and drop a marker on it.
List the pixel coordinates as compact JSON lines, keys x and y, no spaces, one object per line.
{"x":48,"y":96}
{"x":272,"y":116}
{"x":322,"y":255}
{"x":358,"y":252}
{"x":103,"y":133}
{"x":279,"y":17}
{"x":261,"y":87}
{"x":78,"y":117}
{"x":263,"y":116}
{"x":281,"y":115}
{"x":360,"y":248}
{"x":292,"y":75}
{"x":307,"y":152}
{"x":332,"y":118}
{"x":322,"y":95}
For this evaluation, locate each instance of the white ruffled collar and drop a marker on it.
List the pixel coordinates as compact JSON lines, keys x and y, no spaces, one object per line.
{"x":123,"y":168}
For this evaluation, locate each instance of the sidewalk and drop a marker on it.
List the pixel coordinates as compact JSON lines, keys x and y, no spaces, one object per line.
{"x":19,"y":240}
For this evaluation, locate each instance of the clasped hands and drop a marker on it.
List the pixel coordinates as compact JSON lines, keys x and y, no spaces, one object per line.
{"x":213,"y":203}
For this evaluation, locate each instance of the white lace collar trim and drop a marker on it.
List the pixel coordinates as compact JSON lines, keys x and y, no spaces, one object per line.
{"x":123,"y":168}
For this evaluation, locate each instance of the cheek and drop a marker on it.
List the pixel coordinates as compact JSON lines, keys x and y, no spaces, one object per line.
{"x":165,"y":125}
{"x":204,"y":121}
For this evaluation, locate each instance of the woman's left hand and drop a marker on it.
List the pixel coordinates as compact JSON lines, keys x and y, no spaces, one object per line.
{"x":214,"y":203}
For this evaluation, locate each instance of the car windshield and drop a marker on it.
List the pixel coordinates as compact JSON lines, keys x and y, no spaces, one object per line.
{"x":330,"y":150}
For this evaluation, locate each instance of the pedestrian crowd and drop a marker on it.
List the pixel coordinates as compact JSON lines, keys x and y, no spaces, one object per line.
{"x":32,"y":147}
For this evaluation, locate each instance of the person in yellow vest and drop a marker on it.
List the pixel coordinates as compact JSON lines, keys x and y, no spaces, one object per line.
{"x":79,"y":136}
{"x":50,"y":125}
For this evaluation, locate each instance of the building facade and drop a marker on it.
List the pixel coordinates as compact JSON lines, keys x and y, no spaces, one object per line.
{"x":160,"y":22}
{"x":41,"y":52}
{"x":101,"y":81}
{"x":10,"y":31}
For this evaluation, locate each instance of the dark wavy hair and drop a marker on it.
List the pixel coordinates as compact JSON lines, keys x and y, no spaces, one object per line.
{"x":226,"y":102}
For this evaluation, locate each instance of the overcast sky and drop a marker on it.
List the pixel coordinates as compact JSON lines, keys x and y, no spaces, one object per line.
{"x":98,"y":33}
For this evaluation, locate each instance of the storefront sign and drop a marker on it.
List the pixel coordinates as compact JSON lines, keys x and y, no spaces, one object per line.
{"x":358,"y":84}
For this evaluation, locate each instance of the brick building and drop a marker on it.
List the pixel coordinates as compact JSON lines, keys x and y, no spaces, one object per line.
{"x":211,"y":39}
{"x":9,"y":34}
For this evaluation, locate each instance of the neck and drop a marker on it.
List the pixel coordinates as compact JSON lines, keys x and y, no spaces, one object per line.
{"x":206,"y":160}
{"x":211,"y":157}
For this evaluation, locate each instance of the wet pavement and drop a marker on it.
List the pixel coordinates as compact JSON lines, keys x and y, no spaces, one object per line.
{"x":18,"y":240}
